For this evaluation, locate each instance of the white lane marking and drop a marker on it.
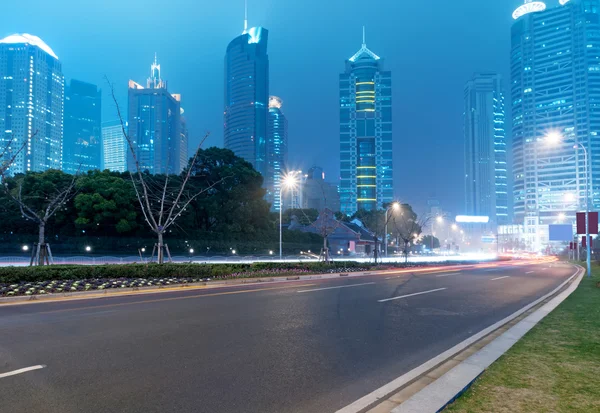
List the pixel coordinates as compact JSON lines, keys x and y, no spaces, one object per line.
{"x":499,"y":278}
{"x":450,"y":273}
{"x":23,"y":370}
{"x":331,"y":288}
{"x":529,"y":272}
{"x":492,"y":269}
{"x":410,"y":295}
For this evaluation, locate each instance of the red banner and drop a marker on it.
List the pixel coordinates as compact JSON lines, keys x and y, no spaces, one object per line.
{"x":571,"y":245}
{"x":581,"y":223}
{"x":584,"y":244}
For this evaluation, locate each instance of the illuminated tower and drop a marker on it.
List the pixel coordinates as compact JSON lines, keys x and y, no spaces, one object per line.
{"x":276,"y":151}
{"x":155,"y":125}
{"x":366,"y":175}
{"x":31,"y":103}
{"x":247,"y":96}
{"x":555,"y":82}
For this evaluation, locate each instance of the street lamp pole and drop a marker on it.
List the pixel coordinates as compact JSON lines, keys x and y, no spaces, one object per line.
{"x":395,"y":205}
{"x":587,"y":212}
{"x":280,"y":222}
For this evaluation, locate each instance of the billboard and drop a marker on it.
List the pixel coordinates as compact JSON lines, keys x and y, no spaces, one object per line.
{"x":581,"y":223}
{"x":560,"y":232}
{"x":472,"y":219}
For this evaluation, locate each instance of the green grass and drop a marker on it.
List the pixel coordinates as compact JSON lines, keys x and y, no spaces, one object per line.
{"x":554,"y":368}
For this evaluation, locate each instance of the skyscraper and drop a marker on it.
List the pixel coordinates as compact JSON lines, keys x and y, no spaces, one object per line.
{"x":486,"y":184}
{"x":183,"y":144}
{"x":154,"y":125}
{"x":31,"y":103}
{"x":276,"y":151}
{"x":555,"y":87}
{"x":114,"y":147}
{"x":366,"y":173}
{"x":82,"y":143}
{"x":247,"y":96}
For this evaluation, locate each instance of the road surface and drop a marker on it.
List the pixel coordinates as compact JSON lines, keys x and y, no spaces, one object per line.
{"x":313,"y":346}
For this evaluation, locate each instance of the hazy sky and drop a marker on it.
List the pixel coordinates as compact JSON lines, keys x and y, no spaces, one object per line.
{"x":432,"y":48}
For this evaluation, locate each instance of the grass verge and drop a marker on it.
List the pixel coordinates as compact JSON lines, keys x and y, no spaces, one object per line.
{"x":554,"y":368}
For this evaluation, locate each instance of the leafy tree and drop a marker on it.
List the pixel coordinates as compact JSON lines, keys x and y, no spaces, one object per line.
{"x":106,"y":204}
{"x":427,"y":239}
{"x":305,"y":216}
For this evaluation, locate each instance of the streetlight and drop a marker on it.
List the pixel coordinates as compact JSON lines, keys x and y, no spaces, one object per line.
{"x":440,"y":220}
{"x":25,"y":247}
{"x":561,"y":217}
{"x":454,"y":227}
{"x":191,"y":250}
{"x":553,"y":138}
{"x":270,"y":252}
{"x":233,"y":252}
{"x":88,"y":248}
{"x":395,"y":206}
{"x":288,"y":182}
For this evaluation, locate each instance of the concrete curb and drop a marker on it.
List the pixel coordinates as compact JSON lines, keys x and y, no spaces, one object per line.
{"x":436,"y":396}
{"x":383,"y":393}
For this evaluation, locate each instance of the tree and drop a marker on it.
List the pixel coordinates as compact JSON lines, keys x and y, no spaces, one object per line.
{"x":427,"y":240}
{"x":105,"y":204}
{"x":40,"y":195}
{"x":325,"y":225}
{"x":375,"y":221}
{"x":305,"y":216}
{"x":407,"y":227}
{"x":162,"y":199}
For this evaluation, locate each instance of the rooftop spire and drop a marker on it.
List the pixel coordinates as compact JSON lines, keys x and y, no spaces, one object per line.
{"x":155,"y":81}
{"x":364,"y":38}
{"x":245,"y":16}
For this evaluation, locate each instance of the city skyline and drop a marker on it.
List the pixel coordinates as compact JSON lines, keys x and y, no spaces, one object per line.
{"x":314,"y":62}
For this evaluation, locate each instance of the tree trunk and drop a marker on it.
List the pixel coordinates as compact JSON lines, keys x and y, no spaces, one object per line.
{"x":42,"y":233}
{"x":161,"y":254}
{"x":41,"y":247}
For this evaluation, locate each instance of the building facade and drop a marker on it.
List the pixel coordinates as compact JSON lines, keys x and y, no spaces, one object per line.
{"x":184,"y":157}
{"x":82,"y":143}
{"x":555,"y":92}
{"x":366,"y":170}
{"x":31,"y":104}
{"x":486,"y":174}
{"x":114,"y":157}
{"x":154,"y":126}
{"x":318,"y":194}
{"x":276,"y":152}
{"x":247,"y":97}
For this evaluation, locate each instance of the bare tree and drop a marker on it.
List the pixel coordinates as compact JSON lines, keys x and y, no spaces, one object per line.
{"x":39,"y":208}
{"x":408,"y":228}
{"x":162,"y":199}
{"x":7,"y":157}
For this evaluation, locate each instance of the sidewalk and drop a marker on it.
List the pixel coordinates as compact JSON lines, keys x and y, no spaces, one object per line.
{"x":554,"y":368}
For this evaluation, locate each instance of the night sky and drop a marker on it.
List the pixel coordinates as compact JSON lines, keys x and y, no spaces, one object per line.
{"x":432,"y":48}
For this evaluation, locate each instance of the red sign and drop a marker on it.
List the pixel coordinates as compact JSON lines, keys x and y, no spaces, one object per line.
{"x":583,"y":243}
{"x":581,"y":223}
{"x":571,"y":246}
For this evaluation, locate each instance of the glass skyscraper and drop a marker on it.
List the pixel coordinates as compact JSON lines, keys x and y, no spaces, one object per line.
{"x":486,"y":179}
{"x":555,"y":88}
{"x":276,"y":151}
{"x":155,"y":125}
{"x":114,"y":147}
{"x":31,"y":103}
{"x":366,"y":173}
{"x":82,"y":143}
{"x":247,"y":97}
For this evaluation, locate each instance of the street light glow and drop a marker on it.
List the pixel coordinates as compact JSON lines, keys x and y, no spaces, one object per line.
{"x":88,"y":248}
{"x":439,"y":220}
{"x":233,"y":252}
{"x":191,"y":250}
{"x":553,"y":138}
{"x":25,"y":247}
{"x":289,"y":180}
{"x":454,"y":227}
{"x":569,"y":197}
{"x":396,"y":205}
{"x":561,"y":216}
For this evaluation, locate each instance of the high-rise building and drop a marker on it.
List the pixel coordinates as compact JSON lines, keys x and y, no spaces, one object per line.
{"x":183,"y":144}
{"x":154,"y":125}
{"x":318,"y":194}
{"x":82,"y":142}
{"x":247,"y":97}
{"x":276,"y":151}
{"x":486,"y":184}
{"x":114,"y":146}
{"x":555,"y":87}
{"x":366,"y":173}
{"x":31,"y":103}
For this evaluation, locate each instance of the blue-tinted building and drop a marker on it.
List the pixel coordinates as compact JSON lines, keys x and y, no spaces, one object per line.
{"x":366,"y":171}
{"x":486,"y":174}
{"x":276,"y":151}
{"x":247,"y":97}
{"x":115,"y":146}
{"x":155,"y":126}
{"x":31,"y":104}
{"x":82,"y":142}
{"x":555,"y":91}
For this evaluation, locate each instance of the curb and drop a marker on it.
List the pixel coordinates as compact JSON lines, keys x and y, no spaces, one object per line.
{"x":426,"y":396}
{"x":451,"y":385}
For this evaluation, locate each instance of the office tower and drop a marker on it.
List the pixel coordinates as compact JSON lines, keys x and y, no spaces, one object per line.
{"x":247,"y":97}
{"x":555,"y":82}
{"x":154,"y":125}
{"x":31,"y":103}
{"x":317,"y":193}
{"x":114,"y":146}
{"x":486,"y":185}
{"x":183,"y":144}
{"x":366,"y":179}
{"x":82,"y":142}
{"x":276,"y":151}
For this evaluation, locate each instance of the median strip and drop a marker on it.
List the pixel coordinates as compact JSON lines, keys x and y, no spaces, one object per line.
{"x":20,"y":371}
{"x":332,"y":288}
{"x":410,"y":295}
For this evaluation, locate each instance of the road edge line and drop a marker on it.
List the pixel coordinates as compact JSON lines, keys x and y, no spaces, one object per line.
{"x":372,"y":399}
{"x":443,"y":391}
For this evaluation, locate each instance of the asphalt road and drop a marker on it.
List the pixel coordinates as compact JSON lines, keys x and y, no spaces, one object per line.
{"x":313,"y":346}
